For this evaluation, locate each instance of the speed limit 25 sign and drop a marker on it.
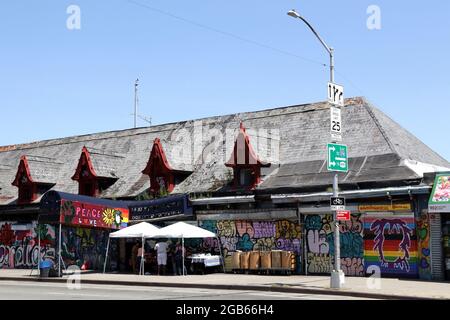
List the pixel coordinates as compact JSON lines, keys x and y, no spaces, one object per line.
{"x":336,"y":124}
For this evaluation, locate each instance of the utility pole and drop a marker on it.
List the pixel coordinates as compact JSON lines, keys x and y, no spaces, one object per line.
{"x":337,"y":276}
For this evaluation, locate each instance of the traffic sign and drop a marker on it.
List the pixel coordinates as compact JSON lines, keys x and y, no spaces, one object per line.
{"x":337,"y":203}
{"x":337,"y":157}
{"x":343,"y":215}
{"x":335,"y":94}
{"x":335,"y":124}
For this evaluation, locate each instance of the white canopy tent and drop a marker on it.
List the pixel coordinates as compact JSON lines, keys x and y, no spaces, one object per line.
{"x":141,"y":230}
{"x":184,"y":230}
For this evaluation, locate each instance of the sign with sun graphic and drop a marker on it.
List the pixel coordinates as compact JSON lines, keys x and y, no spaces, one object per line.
{"x":86,"y":214}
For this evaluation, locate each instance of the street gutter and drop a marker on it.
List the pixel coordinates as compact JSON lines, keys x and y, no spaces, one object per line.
{"x":267,"y":288}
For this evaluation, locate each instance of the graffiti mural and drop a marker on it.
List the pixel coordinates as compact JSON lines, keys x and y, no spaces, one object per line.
{"x":19,"y":244}
{"x":391,"y":244}
{"x":423,"y":244}
{"x":319,"y":231}
{"x":246,"y":235}
{"x":86,"y":247}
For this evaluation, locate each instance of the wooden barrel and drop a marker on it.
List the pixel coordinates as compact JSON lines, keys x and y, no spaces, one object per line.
{"x":266,"y":260}
{"x":254,"y":260}
{"x":236,"y":260}
{"x":245,"y":260}
{"x":288,"y":260}
{"x":276,"y":259}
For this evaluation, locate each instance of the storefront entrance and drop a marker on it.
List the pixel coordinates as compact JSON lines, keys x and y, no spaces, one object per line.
{"x":446,"y":244}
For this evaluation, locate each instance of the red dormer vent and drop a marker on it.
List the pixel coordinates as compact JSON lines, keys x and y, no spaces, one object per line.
{"x":162,"y":176}
{"x":88,"y":184}
{"x":24,"y":181}
{"x":245,"y":163}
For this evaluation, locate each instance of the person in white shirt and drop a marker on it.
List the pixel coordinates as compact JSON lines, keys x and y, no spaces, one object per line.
{"x":161,"y":250}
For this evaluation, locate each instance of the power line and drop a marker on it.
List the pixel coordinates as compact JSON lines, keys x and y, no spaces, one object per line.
{"x":225,"y":33}
{"x":237,"y":37}
{"x":351,"y":83}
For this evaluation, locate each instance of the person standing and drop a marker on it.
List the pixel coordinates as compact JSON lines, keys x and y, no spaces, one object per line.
{"x":179,"y":258}
{"x":171,"y":258}
{"x":140,"y":255}
{"x":161,"y":249}
{"x":134,"y":254}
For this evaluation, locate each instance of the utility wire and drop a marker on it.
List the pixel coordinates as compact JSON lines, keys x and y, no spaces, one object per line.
{"x":225,"y":33}
{"x":231,"y":35}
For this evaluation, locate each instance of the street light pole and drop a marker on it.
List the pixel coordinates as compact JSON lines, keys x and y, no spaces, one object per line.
{"x":336,"y":275}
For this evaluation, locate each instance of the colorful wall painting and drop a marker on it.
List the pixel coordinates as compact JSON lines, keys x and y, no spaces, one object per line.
{"x":247,"y":235}
{"x":423,"y":244}
{"x":86,"y":248}
{"x":319,"y":231}
{"x":390,"y":243}
{"x":19,"y":244}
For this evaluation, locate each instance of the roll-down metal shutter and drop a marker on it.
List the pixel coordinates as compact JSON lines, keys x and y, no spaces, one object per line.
{"x":436,"y":246}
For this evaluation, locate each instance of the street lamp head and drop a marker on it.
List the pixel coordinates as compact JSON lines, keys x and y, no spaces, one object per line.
{"x":293,"y":14}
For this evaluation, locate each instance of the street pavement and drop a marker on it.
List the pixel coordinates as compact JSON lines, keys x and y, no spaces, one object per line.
{"x":23,"y":290}
{"x":308,"y":285}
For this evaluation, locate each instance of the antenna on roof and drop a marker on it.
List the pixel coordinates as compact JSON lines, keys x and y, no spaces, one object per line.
{"x":136,"y":103}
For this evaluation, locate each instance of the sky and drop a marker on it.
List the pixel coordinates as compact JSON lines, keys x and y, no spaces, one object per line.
{"x":201,"y":58}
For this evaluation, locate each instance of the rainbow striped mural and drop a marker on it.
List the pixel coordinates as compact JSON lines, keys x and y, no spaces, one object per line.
{"x":390,"y":242}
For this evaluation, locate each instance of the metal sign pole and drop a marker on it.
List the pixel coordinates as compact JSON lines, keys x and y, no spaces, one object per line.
{"x":182,"y":240}
{"x":142,"y":266}
{"x":39,"y":245}
{"x":336,"y":274}
{"x":222,"y":258}
{"x":106,"y":257}
{"x":337,"y":246}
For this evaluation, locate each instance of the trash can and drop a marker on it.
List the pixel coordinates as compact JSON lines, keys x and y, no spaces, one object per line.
{"x":255,"y":259}
{"x":44,"y":268}
{"x":276,"y":259}
{"x":266,"y":262}
{"x":236,"y":260}
{"x":245,"y":260}
{"x":287,"y":260}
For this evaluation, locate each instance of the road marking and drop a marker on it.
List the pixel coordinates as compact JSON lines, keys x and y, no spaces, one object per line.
{"x":77,"y":294}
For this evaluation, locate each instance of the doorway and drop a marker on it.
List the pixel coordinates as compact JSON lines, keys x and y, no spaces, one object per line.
{"x":446,"y":243}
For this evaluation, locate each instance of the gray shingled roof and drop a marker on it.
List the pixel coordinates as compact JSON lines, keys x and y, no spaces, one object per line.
{"x":43,"y":169}
{"x":106,"y":163}
{"x":7,"y":174}
{"x":293,"y":139}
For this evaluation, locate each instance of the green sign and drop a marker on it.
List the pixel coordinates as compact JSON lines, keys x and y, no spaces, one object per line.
{"x":337,"y":157}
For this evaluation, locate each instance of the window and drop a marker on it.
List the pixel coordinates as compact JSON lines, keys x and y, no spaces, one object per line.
{"x":26,"y":194}
{"x":246,"y":177}
{"x":86,"y":189}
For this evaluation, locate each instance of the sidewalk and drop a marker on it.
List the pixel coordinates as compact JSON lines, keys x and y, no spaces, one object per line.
{"x":354,"y":286}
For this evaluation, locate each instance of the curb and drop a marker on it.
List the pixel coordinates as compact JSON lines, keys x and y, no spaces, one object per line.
{"x":266,"y":288}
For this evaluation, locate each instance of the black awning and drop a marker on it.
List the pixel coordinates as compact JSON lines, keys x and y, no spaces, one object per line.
{"x":164,"y":208}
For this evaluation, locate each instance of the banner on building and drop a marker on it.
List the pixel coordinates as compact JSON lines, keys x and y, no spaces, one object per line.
{"x":90,"y":215}
{"x":385,"y":207}
{"x":440,"y":196}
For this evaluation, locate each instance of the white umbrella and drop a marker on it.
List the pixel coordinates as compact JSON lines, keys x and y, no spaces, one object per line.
{"x":184,"y":230}
{"x":141,"y":230}
{"x":135,"y":231}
